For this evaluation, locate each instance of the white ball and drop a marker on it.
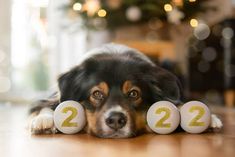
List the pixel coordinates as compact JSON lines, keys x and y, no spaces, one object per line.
{"x":195,"y":117}
{"x":163,"y":117}
{"x":69,"y":117}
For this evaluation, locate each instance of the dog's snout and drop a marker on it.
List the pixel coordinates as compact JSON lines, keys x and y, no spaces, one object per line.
{"x":116,"y":120}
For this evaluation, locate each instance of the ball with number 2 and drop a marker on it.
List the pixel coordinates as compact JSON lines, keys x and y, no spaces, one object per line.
{"x":195,"y":117}
{"x":69,"y":117}
{"x":163,"y":117}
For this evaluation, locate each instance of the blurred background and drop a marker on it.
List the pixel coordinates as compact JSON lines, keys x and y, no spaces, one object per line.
{"x":194,"y":39}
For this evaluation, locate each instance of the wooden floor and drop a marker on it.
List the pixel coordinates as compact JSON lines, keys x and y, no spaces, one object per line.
{"x":15,"y":141}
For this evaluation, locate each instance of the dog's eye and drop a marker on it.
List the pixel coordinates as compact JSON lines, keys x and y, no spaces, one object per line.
{"x":98,"y":95}
{"x":134,"y":94}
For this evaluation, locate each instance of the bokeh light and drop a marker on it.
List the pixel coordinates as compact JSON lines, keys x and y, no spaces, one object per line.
{"x":202,"y":31}
{"x":168,"y":7}
{"x":77,"y":6}
{"x":193,"y":22}
{"x":102,"y":13}
{"x":91,"y":7}
{"x":230,"y":70}
{"x":133,"y":13}
{"x":227,"y":33}
{"x":209,"y":54}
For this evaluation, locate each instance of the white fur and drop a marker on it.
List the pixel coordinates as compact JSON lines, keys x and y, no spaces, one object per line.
{"x":43,"y":122}
{"x":216,"y":123}
{"x":114,"y":109}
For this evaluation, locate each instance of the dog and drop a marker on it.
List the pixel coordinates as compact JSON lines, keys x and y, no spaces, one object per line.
{"x":116,"y":85}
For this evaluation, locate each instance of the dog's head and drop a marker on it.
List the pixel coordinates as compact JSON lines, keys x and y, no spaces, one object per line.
{"x":116,"y":91}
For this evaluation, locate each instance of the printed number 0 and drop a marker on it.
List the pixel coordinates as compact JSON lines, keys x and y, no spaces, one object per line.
{"x":67,"y":122}
{"x":160,"y":123}
{"x":201,"y":112}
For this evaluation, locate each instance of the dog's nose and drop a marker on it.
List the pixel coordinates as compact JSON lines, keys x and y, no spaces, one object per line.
{"x":116,"y":120}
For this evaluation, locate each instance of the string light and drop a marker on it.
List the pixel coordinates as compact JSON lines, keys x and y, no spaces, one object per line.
{"x":77,"y":6}
{"x":193,"y":22}
{"x":102,"y":13}
{"x":167,"y":7}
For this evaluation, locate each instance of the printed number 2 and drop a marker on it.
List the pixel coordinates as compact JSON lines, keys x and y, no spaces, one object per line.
{"x":67,"y":122}
{"x":201,"y":112}
{"x":160,"y":123}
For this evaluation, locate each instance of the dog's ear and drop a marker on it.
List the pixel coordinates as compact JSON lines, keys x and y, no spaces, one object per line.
{"x":68,"y":82}
{"x":165,"y":85}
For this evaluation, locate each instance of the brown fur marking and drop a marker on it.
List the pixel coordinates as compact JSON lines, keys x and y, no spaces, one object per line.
{"x":128,"y":86}
{"x":103,"y":87}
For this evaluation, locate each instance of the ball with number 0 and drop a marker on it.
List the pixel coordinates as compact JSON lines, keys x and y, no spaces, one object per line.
{"x":163,"y":117}
{"x":195,"y":117}
{"x":69,"y":117}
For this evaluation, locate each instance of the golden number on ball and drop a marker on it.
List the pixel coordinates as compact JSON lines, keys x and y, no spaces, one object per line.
{"x":160,"y":123}
{"x":201,"y":112}
{"x":67,"y":122}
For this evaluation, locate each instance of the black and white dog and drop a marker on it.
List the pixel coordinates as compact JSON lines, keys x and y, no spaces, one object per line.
{"x":116,"y":85}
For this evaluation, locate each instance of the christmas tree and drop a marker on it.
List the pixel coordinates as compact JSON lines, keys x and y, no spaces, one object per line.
{"x":116,"y":13}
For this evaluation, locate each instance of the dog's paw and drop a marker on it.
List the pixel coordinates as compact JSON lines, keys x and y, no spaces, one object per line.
{"x":43,"y":124}
{"x":216,"y":123}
